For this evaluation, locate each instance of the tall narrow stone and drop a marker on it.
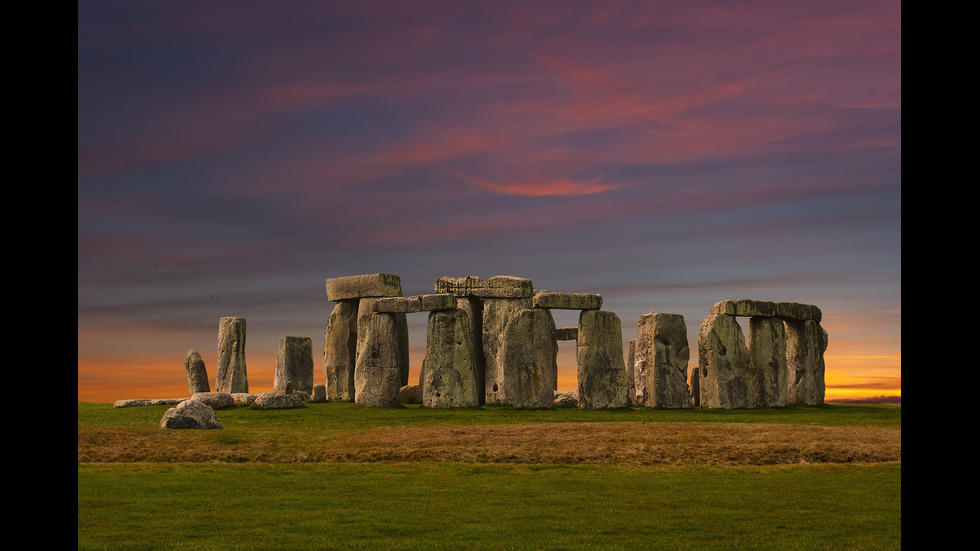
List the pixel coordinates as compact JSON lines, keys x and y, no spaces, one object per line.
{"x":340,"y":351}
{"x":662,"y":355}
{"x":197,"y":375}
{"x":232,"y":376}
{"x":449,"y":376}
{"x":723,"y":361}
{"x":497,"y":312}
{"x":767,"y":361}
{"x":599,"y":354}
{"x":377,"y":370}
{"x":527,"y":360}
{"x":473,"y":308}
{"x":294,"y":365}
{"x":631,"y":373}
{"x":806,"y":343}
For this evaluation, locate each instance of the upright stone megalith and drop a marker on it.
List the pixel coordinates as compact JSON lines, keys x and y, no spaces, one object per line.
{"x":340,"y":351}
{"x":527,"y":359}
{"x":723,"y":361}
{"x":806,"y":343}
{"x":232,"y":376}
{"x":449,"y":370}
{"x":767,"y":361}
{"x":377,"y":370}
{"x":599,"y":354}
{"x":662,"y":355}
{"x":197,"y":375}
{"x":294,"y":365}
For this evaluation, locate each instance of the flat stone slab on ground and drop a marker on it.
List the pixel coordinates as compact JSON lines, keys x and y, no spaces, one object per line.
{"x":494,"y":287}
{"x":567,"y":301}
{"x":363,"y":286}
{"x":272,"y":400}
{"x":217,"y":400}
{"x":782,"y":310}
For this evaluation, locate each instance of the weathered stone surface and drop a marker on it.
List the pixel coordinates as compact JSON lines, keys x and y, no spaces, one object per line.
{"x":167,"y":401}
{"x":767,"y":361}
{"x":494,"y":287}
{"x":660,"y":364}
{"x":410,"y":394}
{"x":566,"y":333}
{"x":276,"y":400}
{"x":340,"y":351}
{"x":496,"y":314}
{"x":243,"y":398}
{"x":197,"y":375}
{"x":599,"y":354}
{"x":806,"y":342}
{"x":232,"y":375}
{"x":217,"y":400}
{"x":473,"y":308}
{"x":190,"y":414}
{"x":566,"y":399}
{"x":319,"y":393}
{"x":363,"y":286}
{"x":567,"y":301}
{"x":440,"y":301}
{"x":695,"y":387}
{"x":378,"y":368}
{"x":294,"y":365}
{"x":527,"y":358}
{"x":397,"y":305}
{"x":449,"y":373}
{"x":723,"y":361}
{"x":132,"y":403}
{"x":790,"y":311}
{"x":631,"y":373}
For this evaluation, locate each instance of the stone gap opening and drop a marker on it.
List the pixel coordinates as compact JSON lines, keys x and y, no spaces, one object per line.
{"x":566,"y":363}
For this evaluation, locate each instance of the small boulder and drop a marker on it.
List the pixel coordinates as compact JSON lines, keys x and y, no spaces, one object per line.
{"x":271,"y":400}
{"x":566,"y":399}
{"x":410,"y":394}
{"x":190,"y":414}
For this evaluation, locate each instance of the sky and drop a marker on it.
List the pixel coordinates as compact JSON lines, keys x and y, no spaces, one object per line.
{"x":668,"y":155}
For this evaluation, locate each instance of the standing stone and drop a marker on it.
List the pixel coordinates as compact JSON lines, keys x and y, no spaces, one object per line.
{"x":723,"y":359}
{"x":377,"y":370}
{"x":294,"y":365}
{"x":662,"y":355}
{"x":527,"y":360}
{"x":599,"y":354}
{"x":340,"y":351}
{"x":319,"y":393}
{"x":232,"y":376}
{"x":631,"y":374}
{"x":806,"y":343}
{"x":473,"y":308}
{"x":449,"y":376}
{"x":497,"y":313}
{"x":767,"y":361}
{"x":197,"y":375}
{"x":695,"y":388}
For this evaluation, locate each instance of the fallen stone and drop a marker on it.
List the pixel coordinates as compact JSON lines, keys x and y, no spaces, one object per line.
{"x":132,"y":403}
{"x":410,"y":394}
{"x":660,"y":364}
{"x":319,"y":393}
{"x":340,"y":351}
{"x":197,"y":375}
{"x":232,"y":375}
{"x":723,"y":361}
{"x":294,"y":365}
{"x":494,"y":287}
{"x":393,"y":305}
{"x":789,"y":311}
{"x":806,"y":342}
{"x":527,"y":357}
{"x":190,"y":414}
{"x":767,"y":361}
{"x":167,"y":401}
{"x":566,"y":333}
{"x":567,"y":301}
{"x":243,"y":398}
{"x":274,"y":400}
{"x":599,"y":355}
{"x":216,"y":400}
{"x":497,"y":312}
{"x":363,"y":286}
{"x":449,"y":374}
{"x":566,"y":399}
{"x":377,"y":370}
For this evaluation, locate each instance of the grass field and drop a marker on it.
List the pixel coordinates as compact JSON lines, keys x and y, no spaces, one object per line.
{"x":335,"y":476}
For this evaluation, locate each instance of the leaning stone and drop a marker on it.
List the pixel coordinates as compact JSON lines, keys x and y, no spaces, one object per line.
{"x":496,"y":314}
{"x":599,"y":355}
{"x":441,"y":301}
{"x":660,"y":364}
{"x":243,"y":398}
{"x":393,"y":305}
{"x":197,"y":375}
{"x":273,"y":400}
{"x":363,"y":286}
{"x":566,"y":399}
{"x":377,"y":371}
{"x":567,"y":301}
{"x":494,"y":287}
{"x":723,"y":361}
{"x":132,"y":403}
{"x":806,"y":343}
{"x":217,"y":400}
{"x":566,"y":333}
{"x":319,"y":393}
{"x":449,"y":378}
{"x":527,"y":358}
{"x":232,"y":375}
{"x":340,"y":351}
{"x":410,"y":394}
{"x":789,"y":311}
{"x":190,"y":414}
{"x":767,"y":361}
{"x":294,"y":365}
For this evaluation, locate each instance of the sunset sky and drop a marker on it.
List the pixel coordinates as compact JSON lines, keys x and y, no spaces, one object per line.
{"x":665,"y":154}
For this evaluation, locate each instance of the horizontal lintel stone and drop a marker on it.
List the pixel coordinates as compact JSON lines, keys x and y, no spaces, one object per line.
{"x":782,"y":310}
{"x":363,"y":286}
{"x":441,"y":301}
{"x":494,"y":287}
{"x":567,"y":301}
{"x":417,"y":303}
{"x":566,"y":333}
